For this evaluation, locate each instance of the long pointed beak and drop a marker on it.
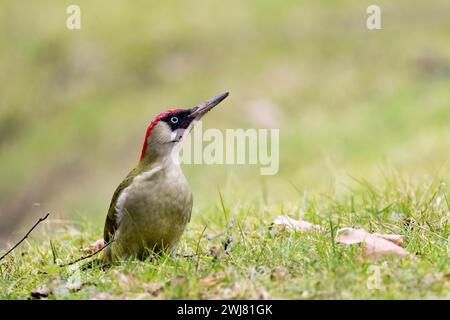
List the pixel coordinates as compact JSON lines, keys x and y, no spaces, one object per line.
{"x":200,"y":110}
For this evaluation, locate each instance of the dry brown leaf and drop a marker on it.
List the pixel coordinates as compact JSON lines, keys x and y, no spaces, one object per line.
{"x":93,"y":247}
{"x":377,"y":245}
{"x":296,"y":225}
{"x":395,"y":238}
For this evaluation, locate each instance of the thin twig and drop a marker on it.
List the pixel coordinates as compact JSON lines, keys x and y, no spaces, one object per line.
{"x":197,"y":264}
{"x":24,"y":237}
{"x":88,"y":256}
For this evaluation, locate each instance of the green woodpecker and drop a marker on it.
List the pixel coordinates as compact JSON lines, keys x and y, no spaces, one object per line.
{"x":151,"y":207}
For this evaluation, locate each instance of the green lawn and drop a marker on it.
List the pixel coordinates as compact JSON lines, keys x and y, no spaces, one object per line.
{"x":234,"y":252}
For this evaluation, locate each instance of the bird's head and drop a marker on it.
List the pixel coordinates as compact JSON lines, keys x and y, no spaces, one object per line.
{"x":168,"y":128}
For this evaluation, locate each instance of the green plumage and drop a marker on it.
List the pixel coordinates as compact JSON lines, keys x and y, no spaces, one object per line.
{"x":148,"y":212}
{"x":111,"y":218}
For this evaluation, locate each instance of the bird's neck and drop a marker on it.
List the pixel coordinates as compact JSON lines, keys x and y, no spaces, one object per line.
{"x":163,"y":160}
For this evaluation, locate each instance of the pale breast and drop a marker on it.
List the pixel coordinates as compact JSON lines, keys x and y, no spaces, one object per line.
{"x":153,"y":211}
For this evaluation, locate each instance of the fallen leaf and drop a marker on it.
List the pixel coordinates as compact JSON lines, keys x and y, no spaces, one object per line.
{"x":395,"y":238}
{"x":377,"y":245}
{"x":93,"y":247}
{"x":296,"y":225}
{"x":40,"y":292}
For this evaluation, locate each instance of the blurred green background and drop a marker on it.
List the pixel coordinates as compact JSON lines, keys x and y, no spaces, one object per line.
{"x":349,"y":102}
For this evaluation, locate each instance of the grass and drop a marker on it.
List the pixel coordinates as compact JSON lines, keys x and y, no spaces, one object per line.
{"x":364,"y":142}
{"x":240,"y":255}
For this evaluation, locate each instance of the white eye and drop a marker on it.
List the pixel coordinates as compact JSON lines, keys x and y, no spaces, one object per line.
{"x":174,"y":120}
